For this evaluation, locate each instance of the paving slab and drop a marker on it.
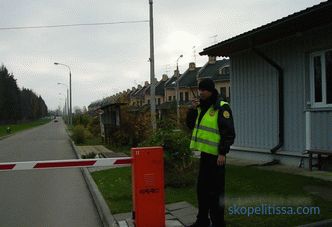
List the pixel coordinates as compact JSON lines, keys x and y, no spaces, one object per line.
{"x":169,"y":217}
{"x":181,"y":214}
{"x":122,"y":216}
{"x":177,"y":206}
{"x":185,"y":211}
{"x":122,"y":224}
{"x":130,"y":222}
{"x":173,"y":223}
{"x":187,"y":219}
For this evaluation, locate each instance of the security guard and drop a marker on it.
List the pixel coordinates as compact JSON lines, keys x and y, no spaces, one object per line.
{"x":213,"y":134}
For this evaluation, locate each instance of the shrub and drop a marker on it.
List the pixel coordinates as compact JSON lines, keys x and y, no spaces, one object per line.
{"x":94,"y":126}
{"x":179,"y":168}
{"x":79,"y":134}
{"x":119,"y":138}
{"x":81,"y":119}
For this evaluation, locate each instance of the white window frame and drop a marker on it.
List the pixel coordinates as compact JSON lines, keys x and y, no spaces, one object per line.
{"x":323,"y":103}
{"x":222,"y":68}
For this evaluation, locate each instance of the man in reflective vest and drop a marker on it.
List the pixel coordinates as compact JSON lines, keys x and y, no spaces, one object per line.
{"x":213,"y":134}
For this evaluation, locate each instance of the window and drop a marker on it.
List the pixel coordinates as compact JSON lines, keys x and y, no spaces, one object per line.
{"x":174,"y":97}
{"x":149,"y":101}
{"x":169,"y":98}
{"x":224,"y":70}
{"x":158,"y":101}
{"x":321,"y":78}
{"x":181,"y":96}
{"x":223,"y":91}
{"x":186,"y":96}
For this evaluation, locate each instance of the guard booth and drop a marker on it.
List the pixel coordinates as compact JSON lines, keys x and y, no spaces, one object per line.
{"x":148,"y":187}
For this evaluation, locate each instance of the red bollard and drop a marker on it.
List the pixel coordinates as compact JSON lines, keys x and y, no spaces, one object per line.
{"x":148,"y":186}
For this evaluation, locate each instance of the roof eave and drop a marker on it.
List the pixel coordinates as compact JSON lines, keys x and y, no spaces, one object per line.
{"x":299,"y":22}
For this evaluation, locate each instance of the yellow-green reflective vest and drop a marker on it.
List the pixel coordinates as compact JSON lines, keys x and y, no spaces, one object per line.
{"x":206,"y":136}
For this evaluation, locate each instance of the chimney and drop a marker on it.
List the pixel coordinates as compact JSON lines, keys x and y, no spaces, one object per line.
{"x":146,"y":83}
{"x":128,"y":90}
{"x":212,"y":59}
{"x":139,"y":86}
{"x":192,"y":66}
{"x":165,"y":77}
{"x":133,"y":88}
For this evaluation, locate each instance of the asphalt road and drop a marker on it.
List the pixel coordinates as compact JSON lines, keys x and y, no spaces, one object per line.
{"x":58,"y":197}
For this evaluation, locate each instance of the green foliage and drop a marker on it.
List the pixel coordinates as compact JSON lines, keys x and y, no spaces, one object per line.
{"x":119,"y":137}
{"x":23,"y":126}
{"x":17,"y":105}
{"x":179,"y":168}
{"x":94,"y":125}
{"x":81,"y":119}
{"x":80,"y":134}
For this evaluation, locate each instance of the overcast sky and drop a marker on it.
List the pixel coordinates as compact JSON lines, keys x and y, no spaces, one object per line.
{"x":112,"y":58}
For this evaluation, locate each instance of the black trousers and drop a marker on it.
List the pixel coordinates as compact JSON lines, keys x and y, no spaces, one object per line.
{"x":210,"y":191}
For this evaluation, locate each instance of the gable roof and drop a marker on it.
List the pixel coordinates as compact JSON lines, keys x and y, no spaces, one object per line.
{"x":171,"y":82}
{"x":212,"y":70}
{"x":159,"y":88}
{"x":297,"y":23}
{"x":189,"y":78}
{"x":140,"y":92}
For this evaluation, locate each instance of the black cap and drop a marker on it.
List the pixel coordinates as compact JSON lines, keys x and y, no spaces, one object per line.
{"x":206,"y":84}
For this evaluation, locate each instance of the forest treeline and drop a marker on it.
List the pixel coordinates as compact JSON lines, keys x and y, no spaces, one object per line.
{"x":17,"y":105}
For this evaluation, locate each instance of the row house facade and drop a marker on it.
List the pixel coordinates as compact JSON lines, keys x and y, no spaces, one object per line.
{"x":139,"y":98}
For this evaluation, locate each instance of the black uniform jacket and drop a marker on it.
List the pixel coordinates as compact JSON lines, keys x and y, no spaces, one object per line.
{"x":225,"y":124}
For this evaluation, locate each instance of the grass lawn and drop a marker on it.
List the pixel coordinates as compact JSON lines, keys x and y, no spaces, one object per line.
{"x":245,"y":186}
{"x":23,"y":126}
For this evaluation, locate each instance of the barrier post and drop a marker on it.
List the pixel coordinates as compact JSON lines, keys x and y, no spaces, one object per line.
{"x":148,"y":186}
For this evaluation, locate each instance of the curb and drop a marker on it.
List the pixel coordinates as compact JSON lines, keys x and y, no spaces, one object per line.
{"x":6,"y":136}
{"x":103,"y":210}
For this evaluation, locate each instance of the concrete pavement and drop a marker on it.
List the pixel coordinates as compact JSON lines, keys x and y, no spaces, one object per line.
{"x":43,"y":197}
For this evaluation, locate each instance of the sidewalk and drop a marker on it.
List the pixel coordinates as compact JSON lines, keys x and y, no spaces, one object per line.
{"x":99,"y":151}
{"x":177,"y":215}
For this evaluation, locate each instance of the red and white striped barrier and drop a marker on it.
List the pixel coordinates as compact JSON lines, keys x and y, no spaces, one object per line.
{"x":71,"y":163}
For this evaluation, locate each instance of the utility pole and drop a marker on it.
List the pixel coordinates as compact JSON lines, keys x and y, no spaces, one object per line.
{"x":177,"y":91}
{"x":152,"y":77}
{"x":70,"y":99}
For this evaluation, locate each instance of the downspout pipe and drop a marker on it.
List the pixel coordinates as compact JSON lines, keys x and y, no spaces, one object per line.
{"x":281,"y":97}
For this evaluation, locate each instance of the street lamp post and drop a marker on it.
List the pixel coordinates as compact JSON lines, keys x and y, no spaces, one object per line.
{"x":67,"y":101}
{"x":70,"y":96}
{"x":65,"y":108}
{"x":177,"y":91}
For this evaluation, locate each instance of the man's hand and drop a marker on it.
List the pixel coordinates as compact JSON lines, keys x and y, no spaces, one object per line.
{"x":221,"y":160}
{"x":195,"y":103}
